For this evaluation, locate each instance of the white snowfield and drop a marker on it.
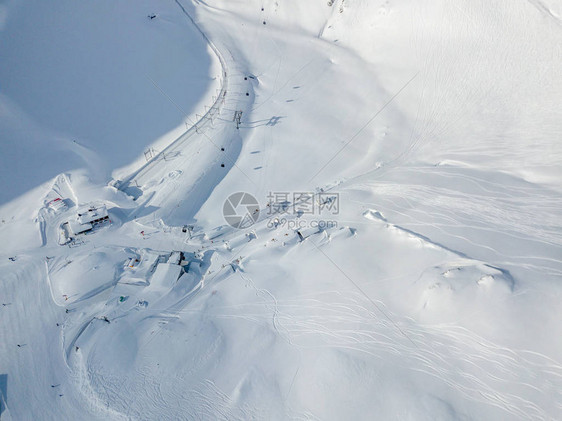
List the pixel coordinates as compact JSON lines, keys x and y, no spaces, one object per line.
{"x":424,"y":285}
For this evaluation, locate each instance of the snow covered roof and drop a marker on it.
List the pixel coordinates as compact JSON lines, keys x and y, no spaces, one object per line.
{"x":166,"y":275}
{"x":175,"y":258}
{"x":76,"y":227}
{"x":91,"y":213}
{"x":57,"y":204}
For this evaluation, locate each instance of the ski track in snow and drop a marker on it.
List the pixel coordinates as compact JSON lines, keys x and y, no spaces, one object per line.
{"x":545,"y":10}
{"x":467,"y":216}
{"x":480,"y":370}
{"x":483,"y":372}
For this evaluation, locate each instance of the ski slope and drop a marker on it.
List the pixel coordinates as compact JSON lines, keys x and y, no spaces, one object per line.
{"x":432,"y":293}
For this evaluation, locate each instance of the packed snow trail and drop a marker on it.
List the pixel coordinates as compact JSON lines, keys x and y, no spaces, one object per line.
{"x":174,"y":148}
{"x":450,"y":350}
{"x":204,"y":154}
{"x":415,"y":304}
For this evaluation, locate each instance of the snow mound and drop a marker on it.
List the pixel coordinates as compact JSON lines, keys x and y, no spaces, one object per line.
{"x":84,"y":275}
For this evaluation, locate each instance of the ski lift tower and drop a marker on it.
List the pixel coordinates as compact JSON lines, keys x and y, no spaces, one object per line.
{"x":237,"y":118}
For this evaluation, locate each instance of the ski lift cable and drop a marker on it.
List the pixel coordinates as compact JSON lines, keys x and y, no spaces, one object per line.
{"x":362,"y":292}
{"x":169,"y":99}
{"x":358,"y":132}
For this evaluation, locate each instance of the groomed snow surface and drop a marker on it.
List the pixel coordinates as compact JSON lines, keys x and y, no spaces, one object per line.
{"x":433,"y":292}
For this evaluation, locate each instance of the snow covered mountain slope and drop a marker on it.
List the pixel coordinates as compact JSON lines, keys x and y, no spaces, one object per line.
{"x":93,"y":85}
{"x":405,"y":262}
